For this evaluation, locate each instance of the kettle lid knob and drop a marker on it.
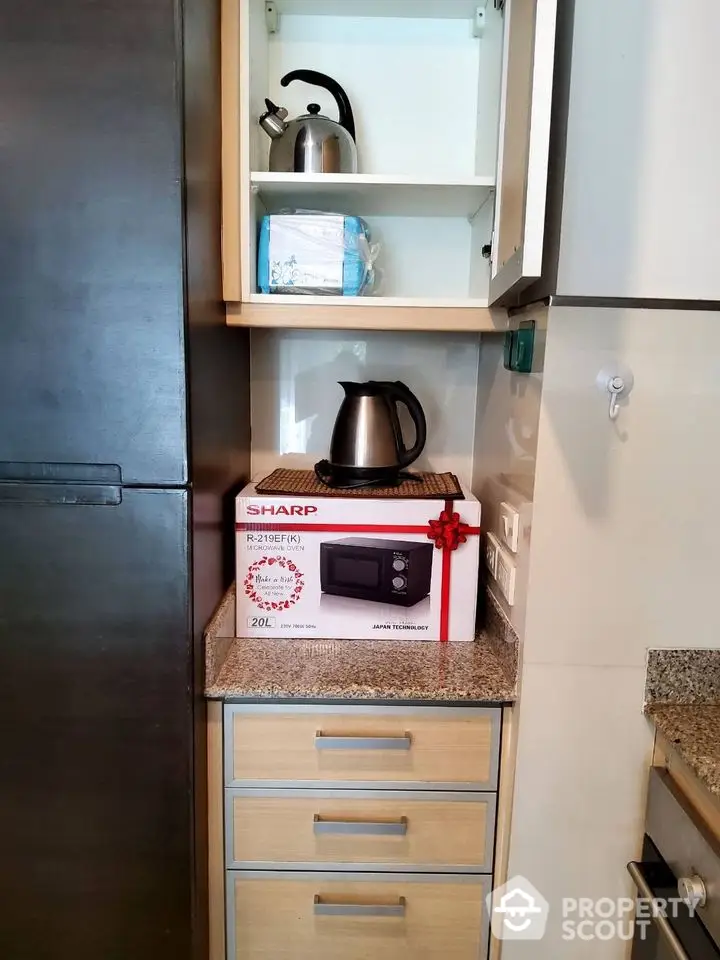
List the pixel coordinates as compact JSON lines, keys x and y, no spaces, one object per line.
{"x":313,"y":108}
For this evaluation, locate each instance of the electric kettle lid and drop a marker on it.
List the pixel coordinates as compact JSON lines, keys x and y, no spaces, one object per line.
{"x":371,"y":388}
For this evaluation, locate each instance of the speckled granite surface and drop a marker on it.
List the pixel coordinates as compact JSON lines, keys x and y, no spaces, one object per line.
{"x":682,"y":698}
{"x":683,"y":676}
{"x":483,"y":671}
{"x":694,"y":733}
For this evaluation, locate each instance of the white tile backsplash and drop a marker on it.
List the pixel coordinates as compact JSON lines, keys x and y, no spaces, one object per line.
{"x":296,"y":396}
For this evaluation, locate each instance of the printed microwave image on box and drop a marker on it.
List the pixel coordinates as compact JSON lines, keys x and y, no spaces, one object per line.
{"x":383,"y":571}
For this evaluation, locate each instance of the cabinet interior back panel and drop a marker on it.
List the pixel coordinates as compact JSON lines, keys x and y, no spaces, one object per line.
{"x":295,"y":394}
{"x":424,"y":92}
{"x":422,"y":256}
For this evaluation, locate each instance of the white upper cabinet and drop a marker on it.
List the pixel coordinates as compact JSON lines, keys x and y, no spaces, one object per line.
{"x":641,"y":191}
{"x":425,"y":81}
{"x":523,"y":147}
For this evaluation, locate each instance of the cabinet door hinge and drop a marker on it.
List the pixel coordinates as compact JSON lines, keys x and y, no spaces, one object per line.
{"x":272,"y":17}
{"x":480,"y":20}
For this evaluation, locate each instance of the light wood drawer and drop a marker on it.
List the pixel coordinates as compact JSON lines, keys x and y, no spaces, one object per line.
{"x":326,"y":917}
{"x":360,"y":830}
{"x":349,"y":746}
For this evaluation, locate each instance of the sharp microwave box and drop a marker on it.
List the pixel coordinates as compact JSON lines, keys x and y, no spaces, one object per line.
{"x":356,"y":568}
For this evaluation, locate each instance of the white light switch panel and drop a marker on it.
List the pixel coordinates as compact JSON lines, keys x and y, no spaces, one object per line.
{"x":492,"y":549}
{"x":509,"y":526}
{"x":505,"y":576}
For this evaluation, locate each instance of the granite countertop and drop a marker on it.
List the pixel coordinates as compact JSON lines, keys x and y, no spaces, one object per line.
{"x":682,"y":698}
{"x":484,"y":671}
{"x":694,"y":733}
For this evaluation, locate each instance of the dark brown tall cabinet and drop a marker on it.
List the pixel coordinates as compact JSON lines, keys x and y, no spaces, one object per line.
{"x":124,"y":430}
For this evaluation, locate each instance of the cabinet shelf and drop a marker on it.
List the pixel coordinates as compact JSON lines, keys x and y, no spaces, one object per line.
{"x":366,"y":313}
{"x":367,"y":195}
{"x":447,"y":9}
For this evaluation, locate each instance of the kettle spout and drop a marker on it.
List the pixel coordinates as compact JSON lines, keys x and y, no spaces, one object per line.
{"x":350,"y":387}
{"x":273,"y":121}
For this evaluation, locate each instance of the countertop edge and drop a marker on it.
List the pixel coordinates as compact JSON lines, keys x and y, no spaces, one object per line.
{"x":284,"y":699}
{"x":692,"y":731}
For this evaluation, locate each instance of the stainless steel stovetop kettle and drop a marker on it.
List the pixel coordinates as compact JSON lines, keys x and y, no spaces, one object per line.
{"x":367,"y":446}
{"x":311,"y":143}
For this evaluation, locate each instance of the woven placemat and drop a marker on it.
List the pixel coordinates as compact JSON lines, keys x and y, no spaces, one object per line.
{"x":304,"y":483}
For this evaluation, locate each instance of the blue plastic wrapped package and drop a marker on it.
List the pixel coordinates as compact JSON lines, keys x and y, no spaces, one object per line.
{"x":315,"y":253}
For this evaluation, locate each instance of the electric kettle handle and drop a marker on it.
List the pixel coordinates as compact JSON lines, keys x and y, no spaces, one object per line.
{"x":399,"y":392}
{"x":347,"y":119}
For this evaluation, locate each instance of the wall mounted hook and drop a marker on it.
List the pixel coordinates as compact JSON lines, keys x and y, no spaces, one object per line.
{"x":616,"y":380}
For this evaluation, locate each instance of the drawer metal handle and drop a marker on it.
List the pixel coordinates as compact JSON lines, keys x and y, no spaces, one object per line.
{"x":323,"y":742}
{"x":325,"y":908}
{"x":396,"y":828}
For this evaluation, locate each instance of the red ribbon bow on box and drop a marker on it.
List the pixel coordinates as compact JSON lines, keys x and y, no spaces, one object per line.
{"x":449,"y":531}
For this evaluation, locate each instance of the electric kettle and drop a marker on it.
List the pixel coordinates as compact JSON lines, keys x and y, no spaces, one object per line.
{"x":311,"y":143}
{"x":367,"y":446}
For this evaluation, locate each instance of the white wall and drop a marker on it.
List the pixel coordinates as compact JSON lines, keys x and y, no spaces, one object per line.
{"x":506,"y":438}
{"x":508,"y":409}
{"x":625,"y":555}
{"x":295,"y":395}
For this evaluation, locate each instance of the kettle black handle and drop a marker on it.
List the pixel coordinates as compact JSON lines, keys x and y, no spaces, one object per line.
{"x":403,"y":394}
{"x":347,"y":119}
